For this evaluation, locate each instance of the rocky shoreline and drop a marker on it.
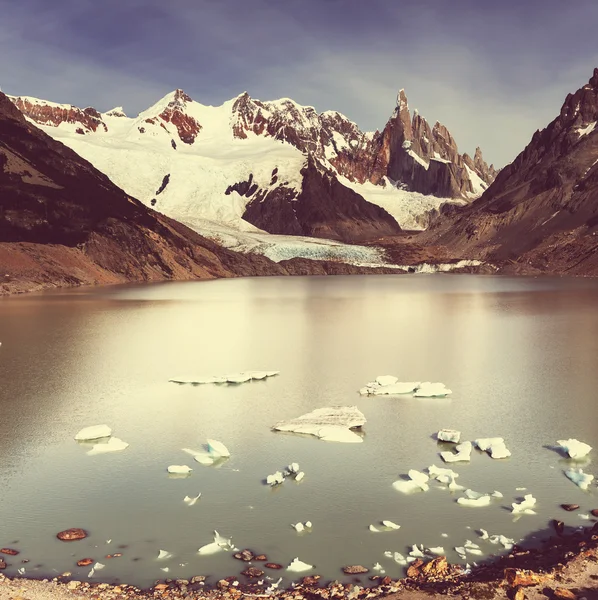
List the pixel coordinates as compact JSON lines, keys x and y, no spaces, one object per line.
{"x":565,"y":566}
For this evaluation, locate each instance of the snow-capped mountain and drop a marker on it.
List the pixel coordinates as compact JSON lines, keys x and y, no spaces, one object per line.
{"x":542,"y":209}
{"x":275,"y":167}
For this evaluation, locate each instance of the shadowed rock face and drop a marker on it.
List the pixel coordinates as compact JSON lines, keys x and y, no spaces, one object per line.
{"x":542,"y":209}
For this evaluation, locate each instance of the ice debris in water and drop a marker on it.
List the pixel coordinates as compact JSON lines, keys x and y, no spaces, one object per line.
{"x":179,"y":469}
{"x":163,"y":554}
{"x":472,"y":548}
{"x":21,"y":571}
{"x":439,"y":550}
{"x":417,"y":481}
{"x":446,"y":476}
{"x":298,"y":566}
{"x":112,"y":445}
{"x":390,"y":525}
{"x":378,"y":567}
{"x":299,"y":527}
{"x":495,"y":447}
{"x":95,"y":432}
{"x":241,"y":377}
{"x":574,"y":448}
{"x":386,"y":526}
{"x":462,"y":453}
{"x":579,"y":478}
{"x":330,"y":423}
{"x":299,"y":476}
{"x":273,"y":586}
{"x":217,"y":449}
{"x":432,"y":390}
{"x":293,"y":468}
{"x":189,"y":501}
{"x":397,"y":557}
{"x":416,"y":552}
{"x":506,"y":542}
{"x":219,"y":544}
{"x":388,"y":384}
{"x":449,"y":435}
{"x":474,"y":499}
{"x":275,"y":479}
{"x":96,"y":567}
{"x":525,"y":506}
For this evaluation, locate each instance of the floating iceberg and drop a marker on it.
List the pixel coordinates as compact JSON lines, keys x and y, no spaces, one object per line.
{"x":417,"y":481}
{"x":378,"y":567}
{"x":441,"y":475}
{"x":391,"y":525}
{"x":474,"y":499}
{"x":383,"y":380}
{"x":219,"y":544}
{"x":525,"y":506}
{"x":462,"y":453}
{"x":299,"y":476}
{"x":439,"y":550}
{"x":112,"y":445}
{"x":95,"y":432}
{"x":449,"y":435}
{"x":299,"y":527}
{"x":293,"y":468}
{"x":472,"y":548}
{"x":298,"y":566}
{"x":574,"y":448}
{"x":275,"y":479}
{"x":217,"y":449}
{"x":329,"y":423}
{"x":189,"y":501}
{"x":432,"y":390}
{"x":163,"y":554}
{"x":210,"y":549}
{"x":416,"y":552}
{"x":495,"y":447}
{"x":388,"y":384}
{"x":179,"y":469}
{"x":241,"y":377}
{"x":386,"y":526}
{"x":579,"y":478}
{"x":203,"y":458}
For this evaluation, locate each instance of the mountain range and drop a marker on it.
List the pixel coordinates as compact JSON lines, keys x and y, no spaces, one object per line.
{"x":90,"y":197}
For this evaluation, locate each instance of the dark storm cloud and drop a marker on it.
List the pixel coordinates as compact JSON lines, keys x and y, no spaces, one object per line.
{"x":492,"y":72}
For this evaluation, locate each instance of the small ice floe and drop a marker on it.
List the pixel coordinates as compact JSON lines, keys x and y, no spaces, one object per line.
{"x":165,"y":569}
{"x":298,"y":566}
{"x":273,"y":586}
{"x":164,"y":554}
{"x":472,"y":548}
{"x":438,"y":550}
{"x":241,"y":377}
{"x":112,"y":445}
{"x":446,"y":476}
{"x":331,"y":424}
{"x":189,"y":501}
{"x":397,"y":557}
{"x":275,"y":479}
{"x":96,"y":567}
{"x":520,"y":489}
{"x":483,"y":534}
{"x":179,"y":470}
{"x":432,"y":390}
{"x":95,"y":432}
{"x":462,"y":453}
{"x":586,"y":517}
{"x":495,"y":447}
{"x":293,"y":468}
{"x":460,"y":550}
{"x":378,"y":567}
{"x":496,"y":494}
{"x":21,"y":571}
{"x":384,"y":380}
{"x":219,"y":544}
{"x":390,"y":525}
{"x":417,"y":552}
{"x":417,"y":481}
{"x":299,"y":527}
{"x":386,"y":526}
{"x":444,"y":535}
{"x":474,"y":499}
{"x":504,"y":541}
{"x":525,"y":506}
{"x":449,"y":435}
{"x":299,"y":476}
{"x":387,"y":385}
{"x":579,"y":478}
{"x":217,"y":449}
{"x":574,"y":448}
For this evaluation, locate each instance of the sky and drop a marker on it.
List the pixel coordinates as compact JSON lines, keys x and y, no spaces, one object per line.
{"x":492,"y":72}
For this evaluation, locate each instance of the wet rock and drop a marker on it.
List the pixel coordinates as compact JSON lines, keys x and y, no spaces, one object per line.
{"x":311,"y":580}
{"x":594,"y":512}
{"x":84,"y":562}
{"x":260,"y":558}
{"x":355,"y":570}
{"x":2,"y":564}
{"x":273,"y":566}
{"x":523,"y":578}
{"x":564,"y":594}
{"x":245,"y":555}
{"x":413,"y":569}
{"x":71,"y":535}
{"x":436,"y":568}
{"x":559,"y":526}
{"x":161,"y":587}
{"x":198,"y":579}
{"x":73,"y":585}
{"x":519,"y":594}
{"x":9,"y":551}
{"x":569,"y":507}
{"x":252,"y":572}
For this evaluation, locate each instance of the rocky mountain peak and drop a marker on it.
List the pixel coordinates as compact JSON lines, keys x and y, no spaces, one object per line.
{"x":117,"y":111}
{"x":175,"y":113}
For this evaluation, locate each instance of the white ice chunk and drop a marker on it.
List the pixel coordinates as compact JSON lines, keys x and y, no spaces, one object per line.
{"x":299,"y":527}
{"x":308,"y":524}
{"x":275,"y":479}
{"x":574,"y":448}
{"x":449,"y":435}
{"x":217,"y":449}
{"x":484,"y":444}
{"x":453,"y":486}
{"x":432,"y":390}
{"x":238,"y":377}
{"x":163,"y":554}
{"x":525,"y":506}
{"x":474,"y":499}
{"x":579,"y":478}
{"x":299,"y":476}
{"x":417,"y":552}
{"x":391,"y":525}
{"x":386,"y":380}
{"x":419,"y":478}
{"x":95,"y":432}
{"x":112,"y":445}
{"x":444,"y":535}
{"x":401,"y":387}
{"x":496,"y":494}
{"x":399,"y":559}
{"x":21,"y":571}
{"x":378,"y":567}
{"x":211,"y":548}
{"x":375,"y":529}
{"x":298,"y":566}
{"x":203,"y":458}
{"x":223,"y":542}
{"x":484,"y":534}
{"x":506,"y":542}
{"x":189,"y":501}
{"x":417,"y":481}
{"x":179,"y":469}
{"x":293,"y":468}
{"x":329,"y":423}
{"x":441,"y":474}
{"x":165,"y":569}
{"x":462,"y":453}
{"x":439,"y":550}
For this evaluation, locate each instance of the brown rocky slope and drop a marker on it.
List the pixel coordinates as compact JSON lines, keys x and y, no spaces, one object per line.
{"x":62,"y":222}
{"x":541,"y":212}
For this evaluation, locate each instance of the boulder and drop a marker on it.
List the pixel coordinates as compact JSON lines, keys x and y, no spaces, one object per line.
{"x":355,"y":570}
{"x":71,"y":535}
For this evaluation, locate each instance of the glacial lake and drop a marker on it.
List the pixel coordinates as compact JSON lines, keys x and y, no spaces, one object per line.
{"x":521,"y":356}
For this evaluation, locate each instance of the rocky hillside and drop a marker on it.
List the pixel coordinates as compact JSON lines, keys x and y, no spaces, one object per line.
{"x":274,"y":167}
{"x":542,"y":210}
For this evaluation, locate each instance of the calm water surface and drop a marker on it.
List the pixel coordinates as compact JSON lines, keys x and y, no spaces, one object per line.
{"x":520,"y":355}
